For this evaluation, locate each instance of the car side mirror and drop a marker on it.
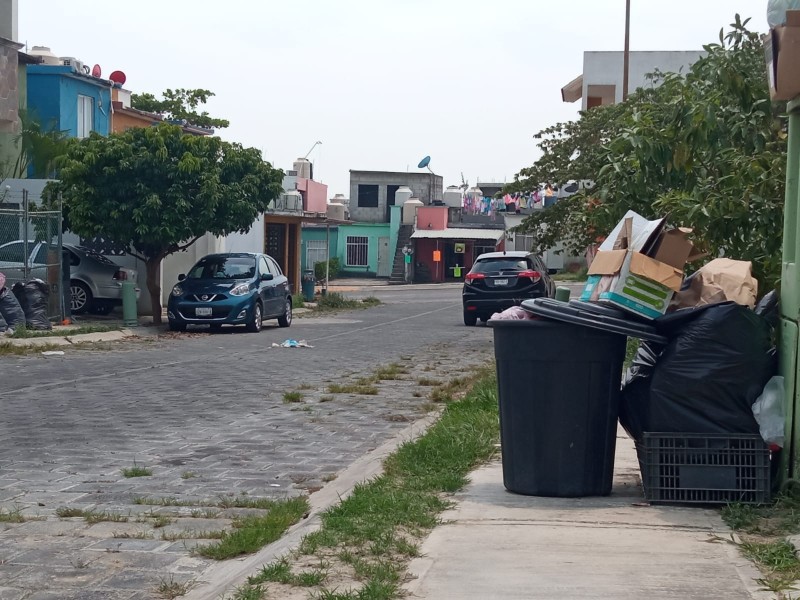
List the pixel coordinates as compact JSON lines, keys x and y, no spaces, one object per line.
{"x":181,"y":277}
{"x":267,"y":277}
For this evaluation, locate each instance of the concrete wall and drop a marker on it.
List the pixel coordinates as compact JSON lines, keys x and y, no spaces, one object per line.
{"x":420,"y":184}
{"x":12,"y":75}
{"x":9,"y":19}
{"x":432,"y":217}
{"x":315,"y":195}
{"x":605,"y":69}
{"x":252,"y":241}
{"x":53,"y":98}
{"x":372,"y":231}
{"x":318,"y":234}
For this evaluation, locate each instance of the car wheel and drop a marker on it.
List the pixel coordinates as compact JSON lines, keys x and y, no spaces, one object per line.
{"x":80,"y":297}
{"x":470,"y":318}
{"x":175,"y":326}
{"x":257,"y":321}
{"x":286,"y":318}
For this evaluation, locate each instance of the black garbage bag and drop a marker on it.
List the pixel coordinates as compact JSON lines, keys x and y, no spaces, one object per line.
{"x":705,"y":380}
{"x":10,"y":309}
{"x":36,"y":295}
{"x":3,"y":324}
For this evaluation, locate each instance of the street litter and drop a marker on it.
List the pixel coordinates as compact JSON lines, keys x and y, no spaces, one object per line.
{"x":53,"y":353}
{"x":720,"y":280}
{"x":292,"y":344}
{"x":513,"y":313}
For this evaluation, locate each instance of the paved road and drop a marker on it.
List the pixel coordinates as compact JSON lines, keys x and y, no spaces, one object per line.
{"x":206,"y":413}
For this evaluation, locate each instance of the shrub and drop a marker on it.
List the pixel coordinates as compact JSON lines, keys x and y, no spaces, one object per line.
{"x":333,"y":269}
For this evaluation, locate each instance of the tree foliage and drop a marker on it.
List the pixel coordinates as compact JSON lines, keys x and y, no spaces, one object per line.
{"x":40,"y":148}
{"x":704,"y":148}
{"x":157,"y":191}
{"x":180,"y":105}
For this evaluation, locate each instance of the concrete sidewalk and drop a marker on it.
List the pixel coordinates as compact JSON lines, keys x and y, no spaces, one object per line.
{"x":496,"y":544}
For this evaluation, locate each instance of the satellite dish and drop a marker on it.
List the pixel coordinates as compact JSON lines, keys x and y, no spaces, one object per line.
{"x":424,"y":162}
{"x":118,"y":77}
{"x":96,"y":72}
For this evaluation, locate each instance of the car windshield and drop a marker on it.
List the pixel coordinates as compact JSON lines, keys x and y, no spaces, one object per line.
{"x":492,"y":265}
{"x":224,"y":267}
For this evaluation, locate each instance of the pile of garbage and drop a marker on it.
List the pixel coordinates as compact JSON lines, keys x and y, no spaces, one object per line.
{"x":24,"y":305}
{"x":715,"y":373}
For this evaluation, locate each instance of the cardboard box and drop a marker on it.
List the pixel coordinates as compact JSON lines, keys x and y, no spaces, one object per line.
{"x":674,"y":248}
{"x":633,"y":282}
{"x":782,"y":53}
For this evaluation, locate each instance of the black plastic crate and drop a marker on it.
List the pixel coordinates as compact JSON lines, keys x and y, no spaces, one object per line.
{"x":703,"y":468}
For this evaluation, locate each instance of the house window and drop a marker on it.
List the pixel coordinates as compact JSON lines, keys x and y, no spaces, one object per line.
{"x":85,"y":116}
{"x":368,"y":195}
{"x":316,"y":251}
{"x":357,"y":250}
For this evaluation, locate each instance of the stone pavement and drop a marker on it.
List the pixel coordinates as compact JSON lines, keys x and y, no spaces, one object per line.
{"x":207,"y":413}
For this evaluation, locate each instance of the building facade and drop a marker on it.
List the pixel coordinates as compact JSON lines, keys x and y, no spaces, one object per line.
{"x":372,"y":193}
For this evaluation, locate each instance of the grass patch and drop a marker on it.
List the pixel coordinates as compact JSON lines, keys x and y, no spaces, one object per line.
{"x":13,"y":515}
{"x":297,"y":301}
{"x":204,"y":513}
{"x":390,"y":372}
{"x":138,"y":535}
{"x":9,"y":349}
{"x":336,"y":301}
{"x":191,"y":534}
{"x":281,"y":572}
{"x":253,"y":532}
{"x":162,"y":501}
{"x":136,"y":471}
{"x":427,"y":381}
{"x":188,"y":475}
{"x":353,"y":388}
{"x":23,"y":333}
{"x":170,"y":589}
{"x":579,"y":275}
{"x":375,"y":531}
{"x":92,"y":517}
{"x":290,"y":397}
{"x":65,"y":512}
{"x":326,"y":398}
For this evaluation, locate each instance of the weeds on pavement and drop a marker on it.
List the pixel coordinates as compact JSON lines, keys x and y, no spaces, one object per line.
{"x":136,"y":471}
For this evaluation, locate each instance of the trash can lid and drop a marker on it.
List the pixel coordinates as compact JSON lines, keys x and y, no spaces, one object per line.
{"x":592,"y":315}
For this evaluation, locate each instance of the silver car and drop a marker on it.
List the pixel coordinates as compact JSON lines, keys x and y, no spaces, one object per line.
{"x":95,"y":281}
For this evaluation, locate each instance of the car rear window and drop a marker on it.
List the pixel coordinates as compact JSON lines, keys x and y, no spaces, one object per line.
{"x":101,"y":258}
{"x":492,"y":265}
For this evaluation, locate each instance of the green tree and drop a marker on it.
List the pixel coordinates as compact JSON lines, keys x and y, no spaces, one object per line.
{"x":40,"y":148}
{"x":158,"y":191}
{"x":704,"y":147}
{"x":180,"y":105}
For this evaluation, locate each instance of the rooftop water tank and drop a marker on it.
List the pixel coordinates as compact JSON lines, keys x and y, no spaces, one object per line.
{"x":452,"y":196}
{"x":410,"y":210}
{"x":402,"y":195}
{"x":43,"y":52}
{"x":304,"y":168}
{"x":336,"y":211}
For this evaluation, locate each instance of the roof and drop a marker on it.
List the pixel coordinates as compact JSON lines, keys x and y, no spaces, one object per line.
{"x":573,"y":90}
{"x":458,"y":233}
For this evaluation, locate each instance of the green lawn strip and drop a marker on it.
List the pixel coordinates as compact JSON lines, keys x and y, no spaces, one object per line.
{"x":762,"y":531}
{"x":253,"y":532}
{"x":23,"y":333}
{"x":376,"y":530}
{"x":9,"y":349}
{"x":336,"y":301}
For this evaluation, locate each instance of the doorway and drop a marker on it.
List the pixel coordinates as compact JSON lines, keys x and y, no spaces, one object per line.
{"x":383,"y":257}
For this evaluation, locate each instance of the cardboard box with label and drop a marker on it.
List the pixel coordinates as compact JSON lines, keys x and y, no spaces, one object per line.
{"x":639,"y":267}
{"x":782,"y":50}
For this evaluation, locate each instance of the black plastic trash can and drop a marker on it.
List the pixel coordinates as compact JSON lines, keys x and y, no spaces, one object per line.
{"x":558,"y":389}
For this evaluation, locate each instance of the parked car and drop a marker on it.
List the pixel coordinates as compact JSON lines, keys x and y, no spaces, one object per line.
{"x":499,"y":280}
{"x":238,"y":288}
{"x":95,"y":281}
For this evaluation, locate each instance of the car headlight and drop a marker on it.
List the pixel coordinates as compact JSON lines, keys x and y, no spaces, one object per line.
{"x":241,"y":289}
{"x":177,"y":291}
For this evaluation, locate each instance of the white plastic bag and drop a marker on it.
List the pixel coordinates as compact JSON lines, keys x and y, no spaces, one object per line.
{"x":776,"y":11}
{"x":770,"y":411}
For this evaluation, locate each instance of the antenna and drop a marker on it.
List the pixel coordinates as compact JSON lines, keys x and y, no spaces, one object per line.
{"x":312,"y":149}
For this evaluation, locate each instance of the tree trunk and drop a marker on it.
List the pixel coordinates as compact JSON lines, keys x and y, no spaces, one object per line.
{"x":154,"y":286}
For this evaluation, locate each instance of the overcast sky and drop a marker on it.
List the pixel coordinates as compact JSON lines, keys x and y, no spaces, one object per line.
{"x":381,"y":83}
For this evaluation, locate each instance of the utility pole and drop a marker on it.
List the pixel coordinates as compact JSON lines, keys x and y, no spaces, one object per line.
{"x":626,"y":52}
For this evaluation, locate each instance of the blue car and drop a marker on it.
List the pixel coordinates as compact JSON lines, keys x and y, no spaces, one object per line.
{"x":238,"y":288}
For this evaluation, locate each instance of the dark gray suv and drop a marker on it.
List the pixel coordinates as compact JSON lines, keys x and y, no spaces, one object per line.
{"x":499,"y":280}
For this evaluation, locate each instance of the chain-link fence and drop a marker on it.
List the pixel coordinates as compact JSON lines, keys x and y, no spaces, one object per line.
{"x":30,"y":247}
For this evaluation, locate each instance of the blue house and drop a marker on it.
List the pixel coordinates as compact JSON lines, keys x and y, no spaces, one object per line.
{"x":67,"y":99}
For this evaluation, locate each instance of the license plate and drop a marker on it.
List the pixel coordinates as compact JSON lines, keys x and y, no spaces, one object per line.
{"x":202,"y":311}
{"x":501,"y":281}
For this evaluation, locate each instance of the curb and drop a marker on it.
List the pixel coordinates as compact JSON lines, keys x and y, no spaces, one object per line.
{"x":55,"y":340}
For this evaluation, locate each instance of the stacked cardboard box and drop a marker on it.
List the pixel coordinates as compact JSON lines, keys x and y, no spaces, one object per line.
{"x":640,"y":266}
{"x":783,"y":58}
